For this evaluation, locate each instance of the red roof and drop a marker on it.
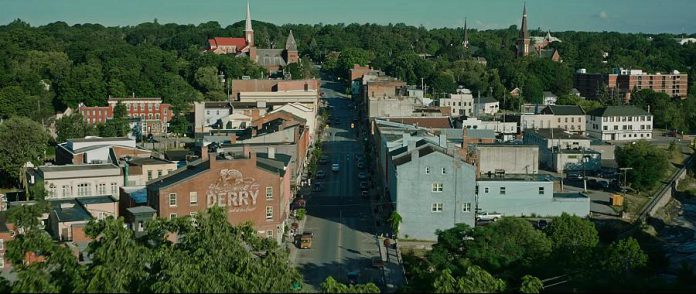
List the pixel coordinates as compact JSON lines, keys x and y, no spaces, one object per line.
{"x":226,"y":41}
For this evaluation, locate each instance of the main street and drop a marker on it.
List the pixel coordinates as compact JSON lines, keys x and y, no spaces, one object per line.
{"x":338,"y":216}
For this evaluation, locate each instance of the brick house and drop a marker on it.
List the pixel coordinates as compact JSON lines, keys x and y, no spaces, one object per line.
{"x":155,"y":114}
{"x":249,"y":187}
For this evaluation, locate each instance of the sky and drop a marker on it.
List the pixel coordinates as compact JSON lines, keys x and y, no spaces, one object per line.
{"x":647,"y":16}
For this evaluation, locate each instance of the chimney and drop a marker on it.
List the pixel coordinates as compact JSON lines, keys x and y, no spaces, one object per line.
{"x":406,"y":140}
{"x":271,"y":152}
{"x":204,"y":152}
{"x":411,"y":145}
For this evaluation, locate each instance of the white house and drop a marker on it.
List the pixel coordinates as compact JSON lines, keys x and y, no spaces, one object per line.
{"x":486,"y":105}
{"x":620,"y":123}
{"x":550,"y":98}
{"x":460,"y":103}
{"x":506,"y":129}
{"x":568,"y":117}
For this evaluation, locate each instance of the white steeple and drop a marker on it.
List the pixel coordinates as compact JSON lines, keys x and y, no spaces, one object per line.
{"x":248,"y":20}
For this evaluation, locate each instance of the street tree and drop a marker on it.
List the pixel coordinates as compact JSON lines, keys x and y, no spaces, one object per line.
{"x":648,"y":162}
{"x":572,"y":239}
{"x":624,"y":256}
{"x":531,"y":284}
{"x":330,"y":285}
{"x":21,"y":140}
{"x":474,"y":280}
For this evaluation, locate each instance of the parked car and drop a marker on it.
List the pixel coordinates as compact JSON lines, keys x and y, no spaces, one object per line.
{"x":323,"y":159}
{"x":363,"y":185}
{"x":335,"y":167}
{"x":574,"y":176}
{"x":362,"y":175}
{"x":321,"y":174}
{"x":317,"y":187}
{"x":488,"y":216}
{"x":541,"y":224}
{"x":364,"y":194}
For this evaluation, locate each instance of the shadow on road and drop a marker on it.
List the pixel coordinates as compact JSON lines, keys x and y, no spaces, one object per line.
{"x":315,"y":274}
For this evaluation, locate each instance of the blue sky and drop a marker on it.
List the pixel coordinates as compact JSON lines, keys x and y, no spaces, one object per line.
{"x":649,"y":16}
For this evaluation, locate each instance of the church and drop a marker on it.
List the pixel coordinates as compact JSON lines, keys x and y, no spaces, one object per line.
{"x":273,"y":60}
{"x":537,"y":46}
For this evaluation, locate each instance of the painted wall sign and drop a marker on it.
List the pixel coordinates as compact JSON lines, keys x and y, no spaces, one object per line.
{"x":234,"y":191}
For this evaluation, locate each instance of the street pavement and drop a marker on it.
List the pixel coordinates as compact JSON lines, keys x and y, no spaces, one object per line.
{"x":340,"y":219}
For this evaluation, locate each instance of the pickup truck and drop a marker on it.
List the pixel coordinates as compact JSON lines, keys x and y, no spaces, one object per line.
{"x":488,"y":216}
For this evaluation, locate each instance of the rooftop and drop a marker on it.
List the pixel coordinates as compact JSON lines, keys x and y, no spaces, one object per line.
{"x":96,"y":199}
{"x":138,"y":194}
{"x":563,"y":110}
{"x":77,"y":167}
{"x":72,"y":212}
{"x":100,"y":139}
{"x":141,"y":210}
{"x":569,"y":195}
{"x":485,"y":100}
{"x":149,"y":161}
{"x":439,"y":122}
{"x":625,"y":110}
{"x":556,"y":133}
{"x":517,"y":177}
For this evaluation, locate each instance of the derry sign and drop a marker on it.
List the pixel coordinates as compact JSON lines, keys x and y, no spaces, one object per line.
{"x":233,"y":191}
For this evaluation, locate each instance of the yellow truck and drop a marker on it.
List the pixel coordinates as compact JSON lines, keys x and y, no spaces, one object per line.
{"x":306,"y":240}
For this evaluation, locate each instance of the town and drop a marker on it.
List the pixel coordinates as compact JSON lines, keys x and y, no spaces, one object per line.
{"x":345,"y":158}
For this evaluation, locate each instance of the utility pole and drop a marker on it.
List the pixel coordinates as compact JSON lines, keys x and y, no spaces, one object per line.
{"x":625,"y":170}
{"x":584,"y":175}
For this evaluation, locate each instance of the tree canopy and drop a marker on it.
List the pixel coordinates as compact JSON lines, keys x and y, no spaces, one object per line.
{"x":648,"y":162}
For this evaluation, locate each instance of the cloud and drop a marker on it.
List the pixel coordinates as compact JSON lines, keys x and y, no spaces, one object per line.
{"x":603,"y":15}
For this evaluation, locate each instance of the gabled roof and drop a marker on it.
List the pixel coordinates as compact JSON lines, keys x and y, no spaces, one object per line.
{"x":626,"y":110}
{"x":266,"y":57}
{"x":227,"y":41}
{"x":485,"y":100}
{"x":563,"y":110}
{"x":290,"y":44}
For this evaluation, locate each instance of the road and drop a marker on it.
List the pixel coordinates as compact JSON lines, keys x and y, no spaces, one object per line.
{"x":338,"y":216}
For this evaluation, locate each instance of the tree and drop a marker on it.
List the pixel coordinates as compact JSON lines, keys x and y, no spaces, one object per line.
{"x":572,"y":239}
{"x":475,"y":280}
{"x":395,"y":220}
{"x":624,"y":256}
{"x":73,"y":126}
{"x":531,"y":284}
{"x":330,"y":285}
{"x":649,"y":163}
{"x":21,"y":140}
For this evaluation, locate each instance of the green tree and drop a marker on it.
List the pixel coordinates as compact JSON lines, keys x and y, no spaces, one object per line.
{"x":624,"y":256}
{"x":531,"y":284}
{"x":73,"y":126}
{"x":330,"y":285}
{"x":18,"y":150}
{"x":395,"y":220}
{"x":572,"y":239}
{"x":475,"y":280}
{"x":649,"y":163}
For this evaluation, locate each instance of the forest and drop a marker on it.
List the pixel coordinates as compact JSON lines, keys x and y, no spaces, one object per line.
{"x":47,"y":68}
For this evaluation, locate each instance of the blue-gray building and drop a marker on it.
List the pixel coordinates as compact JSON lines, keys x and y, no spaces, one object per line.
{"x":527,"y":195}
{"x":433,"y":189}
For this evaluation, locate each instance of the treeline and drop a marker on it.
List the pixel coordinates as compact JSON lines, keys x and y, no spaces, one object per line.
{"x":210,"y":255}
{"x":510,"y":255}
{"x":50,"y":67}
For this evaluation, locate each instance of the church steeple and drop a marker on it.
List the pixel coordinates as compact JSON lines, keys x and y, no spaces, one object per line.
{"x":248,"y":31}
{"x":523,"y":40}
{"x":291,"y":53}
{"x":290,"y":44}
{"x":466,"y":35}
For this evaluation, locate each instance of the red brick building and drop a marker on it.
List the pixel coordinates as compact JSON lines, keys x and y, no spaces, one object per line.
{"x":249,"y":187}
{"x":153,"y":113}
{"x":622,"y":82}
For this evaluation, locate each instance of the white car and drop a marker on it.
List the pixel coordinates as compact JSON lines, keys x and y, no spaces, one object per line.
{"x":335,"y":167}
{"x":488,"y":216}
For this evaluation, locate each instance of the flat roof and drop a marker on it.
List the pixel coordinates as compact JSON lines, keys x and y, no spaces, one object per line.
{"x":97,"y":199}
{"x":73,"y":213}
{"x":517,"y":177}
{"x":78,"y":167}
{"x":100,"y":139}
{"x":569,"y":195}
{"x":149,"y":161}
{"x":556,"y":133}
{"x":141,"y":210}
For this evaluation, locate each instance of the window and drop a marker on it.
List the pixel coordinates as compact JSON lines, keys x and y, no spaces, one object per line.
{"x":114,"y":189}
{"x":159,"y":173}
{"x":437,"y":207}
{"x":157,"y":106}
{"x":101,"y":189}
{"x":101,"y":215}
{"x":269,"y":193}
{"x":66,"y":191}
{"x":541,"y":190}
{"x":466,"y":207}
{"x":84,"y":189}
{"x":52,"y":190}
{"x":2,"y":261}
{"x":269,"y":234}
{"x":444,"y":170}
{"x":193,"y":198}
{"x":140,"y":226}
{"x":149,"y":175}
{"x":2,"y":244}
{"x":269,"y":212}
{"x":485,"y":190}
{"x":606,"y":128}
{"x":437,"y":187}
{"x":172,"y":199}
{"x":427,"y":170}
{"x":193,"y":213}
{"x":172,"y":215}
{"x":502,"y":190}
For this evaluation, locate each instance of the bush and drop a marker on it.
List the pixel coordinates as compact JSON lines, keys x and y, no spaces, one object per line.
{"x":301,"y":213}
